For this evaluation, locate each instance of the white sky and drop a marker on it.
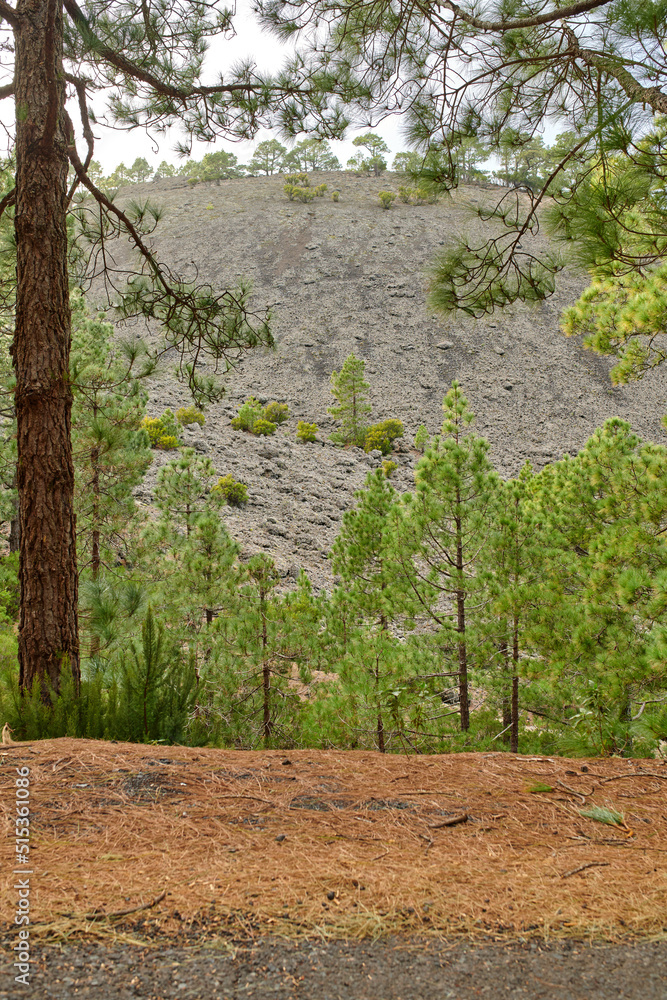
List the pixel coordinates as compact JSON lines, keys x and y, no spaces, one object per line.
{"x":112,"y":146}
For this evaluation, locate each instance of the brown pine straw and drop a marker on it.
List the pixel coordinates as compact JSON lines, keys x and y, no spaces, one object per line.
{"x":335,"y":843}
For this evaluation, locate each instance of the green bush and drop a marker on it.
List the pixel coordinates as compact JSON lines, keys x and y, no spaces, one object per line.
{"x":300,"y":179}
{"x":417,"y":196}
{"x":234,"y":492}
{"x":306,"y":432}
{"x":187,"y":415}
{"x":335,"y":196}
{"x":321,"y":190}
{"x":277,"y":413}
{"x":423,"y":196}
{"x":422,"y":438}
{"x":264,"y":427}
{"x":386,"y":198}
{"x":168,"y":442}
{"x":162,"y":431}
{"x":388,"y":467}
{"x":296,"y":193}
{"x":249,"y":413}
{"x":381,"y":436}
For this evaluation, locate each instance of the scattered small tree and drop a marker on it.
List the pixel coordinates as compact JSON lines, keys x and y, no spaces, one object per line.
{"x":351,"y":391}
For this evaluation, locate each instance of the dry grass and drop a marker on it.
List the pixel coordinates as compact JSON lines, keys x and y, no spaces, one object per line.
{"x":338,"y":843}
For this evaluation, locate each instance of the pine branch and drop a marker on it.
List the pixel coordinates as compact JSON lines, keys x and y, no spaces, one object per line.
{"x":655,"y":98}
{"x":136,"y":72}
{"x":9,"y":14}
{"x":523,"y":22}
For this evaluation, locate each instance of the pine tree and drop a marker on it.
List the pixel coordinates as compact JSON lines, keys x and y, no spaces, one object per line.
{"x":376,"y":147}
{"x":187,"y":556}
{"x":185,"y":489}
{"x":268,"y":157}
{"x":251,"y":677}
{"x":362,"y":557}
{"x":351,"y":391}
{"x":111,"y":453}
{"x":609,"y":507}
{"x":446,"y":524}
{"x":157,"y":688}
{"x":511,"y":568}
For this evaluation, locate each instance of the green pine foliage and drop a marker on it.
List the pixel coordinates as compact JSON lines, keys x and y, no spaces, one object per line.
{"x":374,"y":591}
{"x":249,"y":676}
{"x":351,"y":393}
{"x":148,"y":695}
{"x":602,"y":633}
{"x":185,"y":489}
{"x":110,"y":445}
{"x":446,"y":522}
{"x":422,"y":438}
{"x":249,"y":413}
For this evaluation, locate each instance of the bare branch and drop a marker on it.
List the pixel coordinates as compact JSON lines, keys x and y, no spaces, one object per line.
{"x":80,"y":86}
{"x":525,"y":22}
{"x":9,"y":199}
{"x":9,"y":14}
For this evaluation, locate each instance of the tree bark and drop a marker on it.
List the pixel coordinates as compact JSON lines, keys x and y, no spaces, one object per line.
{"x":464,"y":703}
{"x":507,"y":695}
{"x":267,"y":724}
{"x":48,"y":627}
{"x":514,"y":742}
{"x":14,"y":529}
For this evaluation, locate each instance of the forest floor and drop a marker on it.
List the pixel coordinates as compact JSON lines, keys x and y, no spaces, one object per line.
{"x":332,"y":868}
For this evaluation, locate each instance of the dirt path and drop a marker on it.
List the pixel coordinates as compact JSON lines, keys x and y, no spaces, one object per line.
{"x":384,"y":970}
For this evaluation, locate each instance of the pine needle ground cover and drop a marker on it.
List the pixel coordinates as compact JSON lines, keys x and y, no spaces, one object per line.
{"x":149,"y":841}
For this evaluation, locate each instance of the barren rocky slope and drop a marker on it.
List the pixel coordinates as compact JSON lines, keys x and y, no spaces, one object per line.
{"x":350,"y":277}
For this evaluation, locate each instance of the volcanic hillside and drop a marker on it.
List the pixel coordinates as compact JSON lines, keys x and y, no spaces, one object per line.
{"x":350,"y":276}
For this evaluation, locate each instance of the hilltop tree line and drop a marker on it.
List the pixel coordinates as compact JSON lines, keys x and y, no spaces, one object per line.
{"x":518,"y":162}
{"x":468,"y":613}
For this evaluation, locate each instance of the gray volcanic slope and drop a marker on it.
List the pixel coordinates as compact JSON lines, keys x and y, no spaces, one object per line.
{"x":350,"y":277}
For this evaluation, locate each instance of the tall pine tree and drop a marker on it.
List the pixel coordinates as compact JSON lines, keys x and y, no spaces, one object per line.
{"x":446,"y":524}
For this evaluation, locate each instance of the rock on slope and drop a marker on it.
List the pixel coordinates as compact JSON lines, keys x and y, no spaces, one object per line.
{"x":349,"y":276}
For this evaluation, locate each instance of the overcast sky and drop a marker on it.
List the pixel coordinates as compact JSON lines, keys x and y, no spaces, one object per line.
{"x":112,"y":146}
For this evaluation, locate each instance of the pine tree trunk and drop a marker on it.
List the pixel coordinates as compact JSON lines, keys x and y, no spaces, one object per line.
{"x":14,"y":534}
{"x":95,"y":561}
{"x":48,"y":628}
{"x":380,"y":722}
{"x":464,"y":706}
{"x":14,"y":528}
{"x":266,"y":679}
{"x":507,"y":694}
{"x":514,"y":742}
